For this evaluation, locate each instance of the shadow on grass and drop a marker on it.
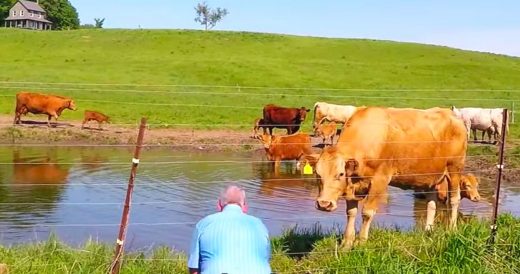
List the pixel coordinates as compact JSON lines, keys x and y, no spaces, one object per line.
{"x":298,"y":241}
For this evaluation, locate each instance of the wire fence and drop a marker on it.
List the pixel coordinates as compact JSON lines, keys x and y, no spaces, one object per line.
{"x":233,"y":91}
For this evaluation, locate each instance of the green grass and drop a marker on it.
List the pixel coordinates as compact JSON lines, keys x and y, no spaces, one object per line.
{"x":174,"y":57}
{"x":310,"y":250}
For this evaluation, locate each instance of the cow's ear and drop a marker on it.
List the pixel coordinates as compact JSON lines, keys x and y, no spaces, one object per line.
{"x":307,"y":110}
{"x":351,"y":166}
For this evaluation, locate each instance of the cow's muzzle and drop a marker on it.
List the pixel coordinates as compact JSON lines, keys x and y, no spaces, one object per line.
{"x":325,"y":205}
{"x":475,"y":198}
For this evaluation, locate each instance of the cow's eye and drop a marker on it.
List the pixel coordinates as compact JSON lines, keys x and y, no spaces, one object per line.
{"x":341,"y":174}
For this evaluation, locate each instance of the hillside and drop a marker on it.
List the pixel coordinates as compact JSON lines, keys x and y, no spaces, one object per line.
{"x":383,"y":72}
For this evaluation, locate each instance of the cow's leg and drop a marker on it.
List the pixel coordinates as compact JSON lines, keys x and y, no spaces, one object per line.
{"x":483,"y":135}
{"x":350,"y":230}
{"x":49,"y":120}
{"x":83,"y":124}
{"x":378,"y":188}
{"x":431,"y":198}
{"x":454,"y":193}
{"x":474,"y":134}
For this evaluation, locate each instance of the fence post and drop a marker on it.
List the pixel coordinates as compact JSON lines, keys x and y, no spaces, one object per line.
{"x":116,"y":264}
{"x":513,"y":113}
{"x":500,"y":168}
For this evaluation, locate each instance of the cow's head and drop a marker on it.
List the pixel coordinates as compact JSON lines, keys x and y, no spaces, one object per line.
{"x":266,"y":140}
{"x":469,"y":187}
{"x":338,"y":177}
{"x":71,"y":105}
{"x":302,"y":112}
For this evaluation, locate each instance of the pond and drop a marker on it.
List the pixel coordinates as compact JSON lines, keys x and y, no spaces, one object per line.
{"x":78,"y":192}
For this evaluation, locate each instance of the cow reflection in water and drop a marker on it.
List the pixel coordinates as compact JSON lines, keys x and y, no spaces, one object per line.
{"x":286,"y":182}
{"x":34,"y":189}
{"x":92,"y":162}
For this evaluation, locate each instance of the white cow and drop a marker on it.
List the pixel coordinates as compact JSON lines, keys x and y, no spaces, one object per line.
{"x":333,"y":113}
{"x":488,"y":120}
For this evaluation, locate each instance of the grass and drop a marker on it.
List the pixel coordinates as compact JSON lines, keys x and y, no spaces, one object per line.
{"x":310,"y":250}
{"x":384,"y":73}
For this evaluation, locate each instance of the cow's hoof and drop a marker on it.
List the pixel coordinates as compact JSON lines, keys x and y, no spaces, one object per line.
{"x":346,"y":245}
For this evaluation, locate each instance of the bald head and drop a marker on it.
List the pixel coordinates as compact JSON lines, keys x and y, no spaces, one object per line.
{"x":233,"y":195}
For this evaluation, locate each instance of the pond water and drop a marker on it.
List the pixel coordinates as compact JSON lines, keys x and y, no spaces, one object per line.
{"x":78,"y":192}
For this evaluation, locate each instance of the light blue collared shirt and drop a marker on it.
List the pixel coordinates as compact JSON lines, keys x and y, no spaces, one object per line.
{"x":230,"y":242}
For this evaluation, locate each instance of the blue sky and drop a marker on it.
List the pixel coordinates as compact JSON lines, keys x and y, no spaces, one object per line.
{"x":490,"y":26}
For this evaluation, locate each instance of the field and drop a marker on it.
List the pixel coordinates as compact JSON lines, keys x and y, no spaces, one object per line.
{"x":195,"y":79}
{"x":308,"y":251}
{"x":189,"y":82}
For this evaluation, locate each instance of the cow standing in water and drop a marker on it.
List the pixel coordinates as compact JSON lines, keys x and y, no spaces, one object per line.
{"x":282,"y":117}
{"x":36,"y":103}
{"x":403,"y":147}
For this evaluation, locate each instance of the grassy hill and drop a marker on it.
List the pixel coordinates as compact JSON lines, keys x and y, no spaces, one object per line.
{"x":130,"y":73}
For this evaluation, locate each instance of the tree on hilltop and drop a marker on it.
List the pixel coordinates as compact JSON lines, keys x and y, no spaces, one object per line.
{"x":207,"y":16}
{"x":61,"y":13}
{"x":5,"y":5}
{"x":99,"y":22}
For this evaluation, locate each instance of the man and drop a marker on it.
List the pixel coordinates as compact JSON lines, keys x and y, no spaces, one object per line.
{"x":230,"y":241}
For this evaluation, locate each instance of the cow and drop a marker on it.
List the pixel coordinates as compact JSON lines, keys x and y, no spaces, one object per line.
{"x":326,"y":132}
{"x":332,"y":113}
{"x":282,"y":117}
{"x":468,"y":188}
{"x":484,"y":119}
{"x":91,"y":115}
{"x":382,"y":146}
{"x":37,"y":103}
{"x":288,"y":147}
{"x":259,"y":123}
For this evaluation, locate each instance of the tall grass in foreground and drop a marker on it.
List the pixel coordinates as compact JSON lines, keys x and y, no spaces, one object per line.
{"x":308,"y":250}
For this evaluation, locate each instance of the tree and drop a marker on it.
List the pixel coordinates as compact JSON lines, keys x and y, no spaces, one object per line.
{"x":5,"y":5}
{"x":209,"y":17}
{"x":99,"y":22}
{"x":61,"y":13}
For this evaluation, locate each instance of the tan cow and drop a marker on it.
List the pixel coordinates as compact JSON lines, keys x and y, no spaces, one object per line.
{"x":287,"y":147}
{"x":326,"y":132}
{"x":379,"y":146}
{"x":36,"y":103}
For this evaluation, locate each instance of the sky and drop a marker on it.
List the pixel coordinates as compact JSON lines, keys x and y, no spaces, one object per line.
{"x":488,"y":26}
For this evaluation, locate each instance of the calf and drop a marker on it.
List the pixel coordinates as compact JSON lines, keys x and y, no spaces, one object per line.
{"x":326,"y":131}
{"x":468,"y":188}
{"x":91,"y":115}
{"x":288,"y":147}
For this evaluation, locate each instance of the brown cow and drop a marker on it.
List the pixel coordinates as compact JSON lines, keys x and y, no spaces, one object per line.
{"x":36,"y":103}
{"x":289,"y":147}
{"x":379,"y":146}
{"x":91,"y":115}
{"x":282,"y":117}
{"x":326,"y":131}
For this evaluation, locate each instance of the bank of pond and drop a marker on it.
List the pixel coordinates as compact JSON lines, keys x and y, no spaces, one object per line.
{"x":306,"y":250}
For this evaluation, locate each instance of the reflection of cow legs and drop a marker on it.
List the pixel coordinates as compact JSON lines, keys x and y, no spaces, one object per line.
{"x":350,"y":230}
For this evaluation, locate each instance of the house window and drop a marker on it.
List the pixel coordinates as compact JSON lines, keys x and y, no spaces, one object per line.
{"x":40,"y":15}
{"x":31,"y":14}
{"x":14,"y":13}
{"x":21,"y":13}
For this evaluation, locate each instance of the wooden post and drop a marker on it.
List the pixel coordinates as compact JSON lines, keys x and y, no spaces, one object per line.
{"x":500,"y":168}
{"x":116,"y":264}
{"x":513,"y":113}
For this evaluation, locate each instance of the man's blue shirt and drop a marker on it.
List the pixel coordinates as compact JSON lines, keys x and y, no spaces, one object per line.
{"x":230,"y":242}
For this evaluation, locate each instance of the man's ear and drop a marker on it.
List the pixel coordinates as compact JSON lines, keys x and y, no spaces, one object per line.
{"x":219,"y":205}
{"x":245,"y":207}
{"x":351,"y":167}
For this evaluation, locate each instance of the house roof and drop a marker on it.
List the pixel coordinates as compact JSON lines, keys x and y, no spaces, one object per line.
{"x":10,"y":18}
{"x":31,"y":6}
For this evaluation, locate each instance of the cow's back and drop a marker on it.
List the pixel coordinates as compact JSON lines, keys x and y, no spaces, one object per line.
{"x":406,"y":141}
{"x":292,"y":146}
